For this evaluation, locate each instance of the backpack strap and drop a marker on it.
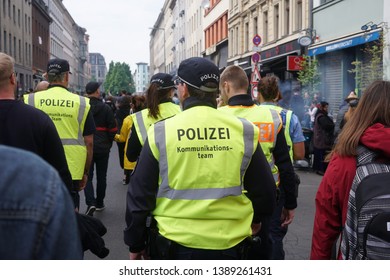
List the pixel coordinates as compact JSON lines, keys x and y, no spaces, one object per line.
{"x":365,"y":155}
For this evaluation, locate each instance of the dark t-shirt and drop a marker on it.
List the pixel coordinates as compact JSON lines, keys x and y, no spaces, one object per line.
{"x":25,"y":127}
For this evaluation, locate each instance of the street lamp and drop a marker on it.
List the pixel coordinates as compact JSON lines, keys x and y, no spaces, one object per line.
{"x":163,"y":29}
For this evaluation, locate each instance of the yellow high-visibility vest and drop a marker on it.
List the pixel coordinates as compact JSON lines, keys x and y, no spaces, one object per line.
{"x":68,"y":112}
{"x":142,"y":121}
{"x":269,"y":124}
{"x":201,"y":201}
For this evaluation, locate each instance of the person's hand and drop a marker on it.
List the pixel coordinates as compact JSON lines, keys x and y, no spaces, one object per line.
{"x":139,"y":256}
{"x":255,"y":228}
{"x":83,"y":182}
{"x":287,"y":216}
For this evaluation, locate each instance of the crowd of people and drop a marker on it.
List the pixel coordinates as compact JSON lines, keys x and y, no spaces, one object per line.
{"x":173,"y":141}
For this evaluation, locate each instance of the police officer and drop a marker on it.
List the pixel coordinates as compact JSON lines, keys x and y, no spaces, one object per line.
{"x":159,"y":106}
{"x":268,"y":90}
{"x":202,"y":175}
{"x":234,"y":84}
{"x":72,"y":117}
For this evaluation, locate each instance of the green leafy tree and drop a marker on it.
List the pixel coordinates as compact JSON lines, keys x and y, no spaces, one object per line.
{"x":369,"y":67}
{"x":309,"y":76}
{"x":119,"y":78}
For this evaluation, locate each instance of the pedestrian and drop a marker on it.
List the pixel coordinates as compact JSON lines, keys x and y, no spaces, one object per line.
{"x":73,"y":120}
{"x":42,"y":85}
{"x":37,"y":220}
{"x":233,"y":85}
{"x":122,"y":111}
{"x":138,"y":103}
{"x":199,"y":179}
{"x":27,"y":128}
{"x":159,"y":106}
{"x":350,"y":99}
{"x":268,"y":89}
{"x":370,"y":126}
{"x":102,"y":141}
{"x":323,"y":137}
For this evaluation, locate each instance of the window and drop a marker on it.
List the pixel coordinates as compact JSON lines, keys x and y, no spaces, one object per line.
{"x":276,"y":22}
{"x":265,"y":26}
{"x":19,"y":17}
{"x":10,"y":44}
{"x":9,"y":8}
{"x":14,"y":13}
{"x":299,"y":15}
{"x":246,"y":36}
{"x":14,"y":46}
{"x":287,"y":17}
{"x":4,"y":8}
{"x":255,"y":30}
{"x":5,"y":41}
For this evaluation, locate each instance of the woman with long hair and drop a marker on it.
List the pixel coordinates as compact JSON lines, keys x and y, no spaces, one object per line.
{"x":159,"y":106}
{"x":369,"y":126}
{"x":138,"y":102}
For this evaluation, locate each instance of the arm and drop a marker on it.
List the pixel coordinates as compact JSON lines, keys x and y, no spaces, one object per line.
{"x":124,"y":134}
{"x":331,"y":206}
{"x":260,"y":184}
{"x":297,"y":138}
{"x":141,"y":201}
{"x":134,"y":146}
{"x":286,"y":170}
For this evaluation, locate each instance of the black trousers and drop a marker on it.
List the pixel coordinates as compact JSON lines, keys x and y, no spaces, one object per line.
{"x":167,"y":249}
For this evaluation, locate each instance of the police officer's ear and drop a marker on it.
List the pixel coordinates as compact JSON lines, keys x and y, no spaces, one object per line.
{"x":44,"y":75}
{"x":185,"y":93}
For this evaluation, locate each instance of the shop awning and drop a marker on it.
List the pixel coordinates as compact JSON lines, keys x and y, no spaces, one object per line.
{"x":344,"y":43}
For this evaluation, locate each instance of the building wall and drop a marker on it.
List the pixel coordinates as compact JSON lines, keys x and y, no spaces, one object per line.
{"x":16,"y":39}
{"x":40,"y":38}
{"x":98,"y":68}
{"x":141,"y":77}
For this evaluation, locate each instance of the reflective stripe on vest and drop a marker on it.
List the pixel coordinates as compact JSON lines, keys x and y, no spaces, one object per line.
{"x":142,"y":120}
{"x":141,"y":124}
{"x":286,"y":127}
{"x":80,"y":140}
{"x":165,"y":191}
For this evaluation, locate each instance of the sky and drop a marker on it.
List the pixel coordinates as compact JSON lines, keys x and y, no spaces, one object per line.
{"x":118,"y":29}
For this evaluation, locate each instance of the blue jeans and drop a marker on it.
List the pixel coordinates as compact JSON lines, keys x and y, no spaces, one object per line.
{"x":101,"y":162}
{"x":277,"y":232}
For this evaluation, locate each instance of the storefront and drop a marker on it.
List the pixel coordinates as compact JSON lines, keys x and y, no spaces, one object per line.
{"x":335,"y":63}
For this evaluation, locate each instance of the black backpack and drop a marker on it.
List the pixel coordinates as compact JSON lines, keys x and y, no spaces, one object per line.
{"x":366,"y":234}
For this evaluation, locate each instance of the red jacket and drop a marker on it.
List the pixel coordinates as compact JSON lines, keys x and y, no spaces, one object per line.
{"x":332,"y":195}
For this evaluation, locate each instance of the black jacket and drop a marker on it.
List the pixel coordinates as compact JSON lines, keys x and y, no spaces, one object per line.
{"x":105,"y":126}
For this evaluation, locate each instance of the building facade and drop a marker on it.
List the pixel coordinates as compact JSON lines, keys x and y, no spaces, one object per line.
{"x":279,"y":23}
{"x":16,"y":39}
{"x":98,"y":68}
{"x":345,"y":39}
{"x":40,"y":39}
{"x":141,"y":76}
{"x":216,"y":32}
{"x":69,"y":41}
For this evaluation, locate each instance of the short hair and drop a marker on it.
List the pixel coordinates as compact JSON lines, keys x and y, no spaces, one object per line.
{"x":206,"y":96}
{"x":237,"y":76}
{"x":6,"y":68}
{"x":268,"y":87}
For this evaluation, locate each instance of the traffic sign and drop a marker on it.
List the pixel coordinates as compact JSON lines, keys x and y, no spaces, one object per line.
{"x":255,"y":76}
{"x":256,"y":57}
{"x":256,"y":49}
{"x":256,"y":40}
{"x":254,"y":92}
